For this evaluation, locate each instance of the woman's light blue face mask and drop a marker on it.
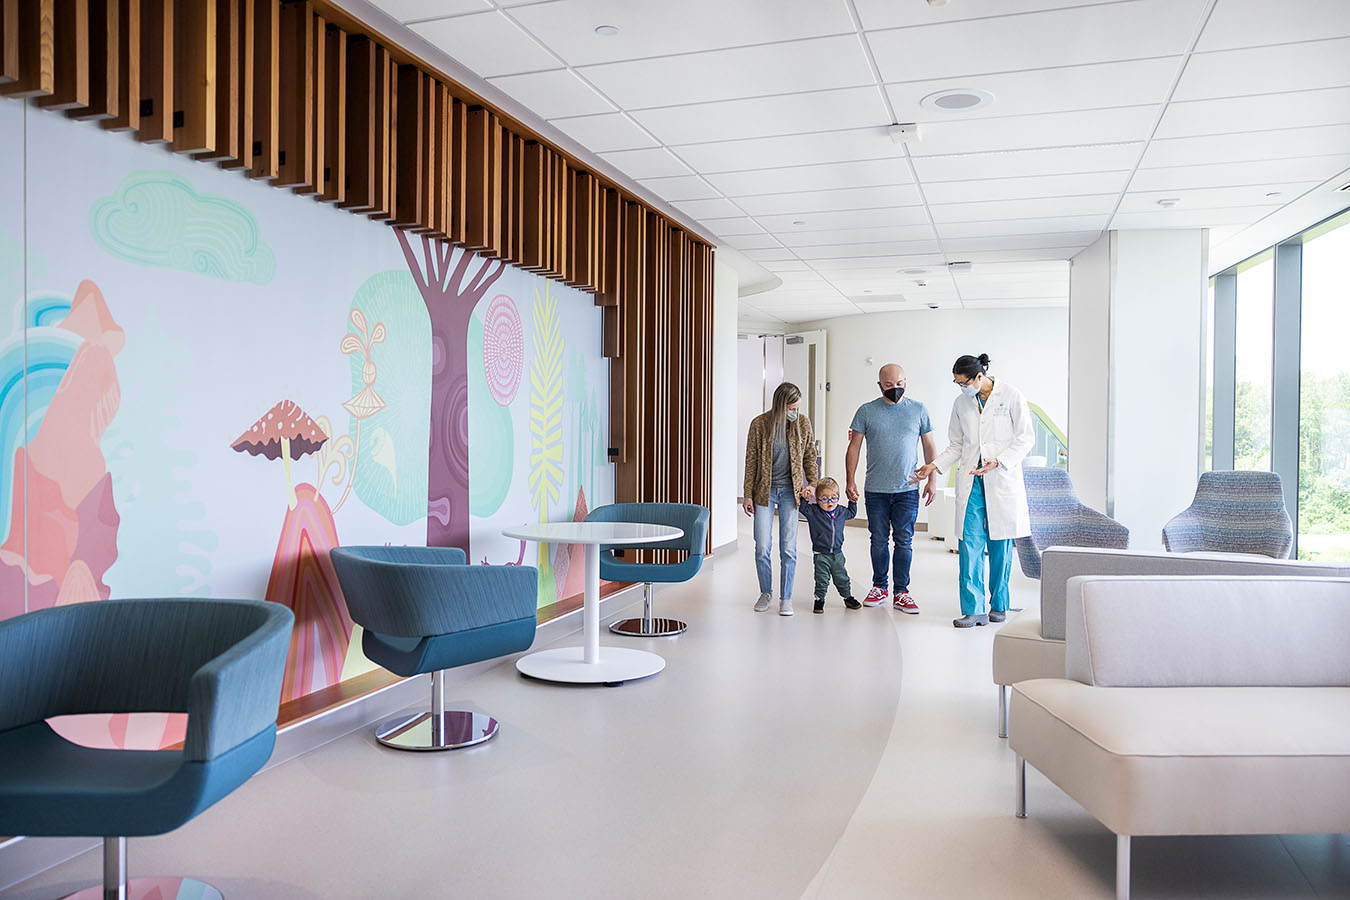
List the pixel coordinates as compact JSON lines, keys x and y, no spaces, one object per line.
{"x":970,"y":388}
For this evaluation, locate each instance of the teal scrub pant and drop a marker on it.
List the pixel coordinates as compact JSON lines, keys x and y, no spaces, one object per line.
{"x":974,"y":539}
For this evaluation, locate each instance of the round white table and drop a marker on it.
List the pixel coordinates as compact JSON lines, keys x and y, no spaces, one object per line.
{"x":591,"y":663}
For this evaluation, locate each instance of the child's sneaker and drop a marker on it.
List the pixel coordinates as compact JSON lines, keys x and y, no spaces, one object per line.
{"x":905,"y":603}
{"x":876,"y":596}
{"x":820,"y":605}
{"x":851,"y":603}
{"x":785,"y":607}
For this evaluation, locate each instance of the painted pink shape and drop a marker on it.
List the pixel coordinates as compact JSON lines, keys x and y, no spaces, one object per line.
{"x":503,"y":349}
{"x":575,"y":583}
{"x":90,"y":319}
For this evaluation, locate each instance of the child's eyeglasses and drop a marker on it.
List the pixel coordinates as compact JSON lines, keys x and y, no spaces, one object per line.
{"x":827,"y":499}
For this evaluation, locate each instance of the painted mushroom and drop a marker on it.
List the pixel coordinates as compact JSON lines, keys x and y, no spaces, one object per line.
{"x":287,"y":431}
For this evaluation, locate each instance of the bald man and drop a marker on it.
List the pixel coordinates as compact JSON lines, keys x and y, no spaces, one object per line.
{"x":893,"y":426}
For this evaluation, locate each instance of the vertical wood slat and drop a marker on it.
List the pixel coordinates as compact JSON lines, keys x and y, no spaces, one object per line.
{"x":411,"y":92}
{"x":333,"y":160}
{"x":34,"y":46}
{"x":318,"y":103}
{"x":457,"y":190}
{"x":518,"y":192}
{"x":359,"y":190}
{"x":296,"y":99}
{"x":236,"y":139}
{"x":228,"y":81}
{"x":532,"y":207}
{"x":156,"y":72}
{"x":483,"y":175}
{"x":264,"y":149}
{"x":582,"y":216}
{"x":426,"y":150}
{"x":104,"y":40}
{"x":127,"y":115}
{"x":507,"y":187}
{"x":70,"y":56}
{"x":438,"y":173}
{"x":386,"y":138}
{"x":194,"y":76}
{"x":9,"y":41}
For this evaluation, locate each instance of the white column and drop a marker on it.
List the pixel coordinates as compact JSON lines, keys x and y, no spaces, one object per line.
{"x":1136,"y":379}
{"x":726,"y":473}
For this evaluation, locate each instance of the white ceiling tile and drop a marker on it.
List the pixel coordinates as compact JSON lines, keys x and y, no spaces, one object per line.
{"x":1206,"y":175}
{"x":1249,"y":23}
{"x":793,"y":150}
{"x":1017,"y":270}
{"x":1191,"y":218}
{"x":1024,"y":163}
{"x":1266,"y":70}
{"x":746,"y":242}
{"x":857,"y":218}
{"x":875,"y":265}
{"x":795,"y":204}
{"x":799,"y":238}
{"x":957,"y":230}
{"x":1320,"y":140}
{"x":1215,"y":198}
{"x":782,"y":266}
{"x":1019,"y":242}
{"x":770,"y":254}
{"x":890,"y":14}
{"x":1036,"y":303}
{"x":718,"y":208}
{"x":732,"y":226}
{"x":862,"y":251}
{"x":488,"y":43}
{"x":1065,"y":37}
{"x":863,"y":173}
{"x":846,"y":108}
{"x":407,"y":10}
{"x":1086,"y":205}
{"x":1006,"y":254}
{"x":1025,"y":188}
{"x":680,"y":187}
{"x":553,"y":94}
{"x":1032,"y":92}
{"x":803,"y":278}
{"x":1092,"y":126}
{"x":663,"y":29}
{"x":652,"y":163}
{"x":831,"y":62}
{"x":610,"y":131}
{"x":1264,"y":111}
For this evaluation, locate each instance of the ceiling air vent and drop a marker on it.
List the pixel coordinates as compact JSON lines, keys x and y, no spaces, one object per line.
{"x":1344,"y":189}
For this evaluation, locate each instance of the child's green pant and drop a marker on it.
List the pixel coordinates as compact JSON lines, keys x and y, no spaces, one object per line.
{"x":831,"y":565}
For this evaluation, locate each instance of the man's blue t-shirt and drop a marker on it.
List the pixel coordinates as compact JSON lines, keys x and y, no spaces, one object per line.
{"x":892,"y":433}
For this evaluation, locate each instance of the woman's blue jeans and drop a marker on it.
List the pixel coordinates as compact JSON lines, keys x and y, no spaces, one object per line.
{"x":974,"y":539}
{"x":784,"y":500}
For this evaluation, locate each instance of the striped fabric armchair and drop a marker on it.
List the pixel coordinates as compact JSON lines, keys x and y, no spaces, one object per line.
{"x":1233,"y":512}
{"x":1059,"y":519}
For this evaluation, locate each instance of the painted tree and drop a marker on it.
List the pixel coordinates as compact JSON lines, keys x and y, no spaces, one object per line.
{"x":450,"y":294}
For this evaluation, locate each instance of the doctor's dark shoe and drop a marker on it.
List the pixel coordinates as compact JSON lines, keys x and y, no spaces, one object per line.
{"x":851,"y":603}
{"x":970,"y":621}
{"x":997,"y":615}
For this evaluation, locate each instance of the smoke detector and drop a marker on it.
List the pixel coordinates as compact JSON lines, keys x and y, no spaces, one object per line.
{"x":958,"y":266}
{"x":1169,"y":202}
{"x":903,"y":133}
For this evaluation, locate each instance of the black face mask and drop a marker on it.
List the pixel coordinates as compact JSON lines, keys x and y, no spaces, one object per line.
{"x":893,"y":394}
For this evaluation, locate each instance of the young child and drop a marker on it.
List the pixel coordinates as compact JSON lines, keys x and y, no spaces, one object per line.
{"x":826,"y":521}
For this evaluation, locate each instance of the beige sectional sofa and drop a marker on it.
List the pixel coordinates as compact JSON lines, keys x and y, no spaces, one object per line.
{"x":1196,"y":705}
{"x":1031,"y":644}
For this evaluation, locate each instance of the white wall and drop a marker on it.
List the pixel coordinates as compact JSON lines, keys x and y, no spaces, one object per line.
{"x":1157,"y":337}
{"x":1029,"y":347}
{"x":725,"y":467}
{"x":1089,"y":371}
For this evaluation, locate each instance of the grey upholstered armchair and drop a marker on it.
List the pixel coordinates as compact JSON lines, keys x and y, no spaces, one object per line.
{"x":1059,"y":519}
{"x":1233,"y":512}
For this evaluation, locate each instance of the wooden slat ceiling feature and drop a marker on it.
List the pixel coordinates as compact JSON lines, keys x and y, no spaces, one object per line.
{"x":301,"y":94}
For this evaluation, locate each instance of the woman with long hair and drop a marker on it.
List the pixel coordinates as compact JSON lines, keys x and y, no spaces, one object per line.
{"x":780,"y":468}
{"x":990,"y":432}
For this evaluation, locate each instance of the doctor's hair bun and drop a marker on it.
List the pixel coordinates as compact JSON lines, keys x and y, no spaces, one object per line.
{"x":984,"y":361}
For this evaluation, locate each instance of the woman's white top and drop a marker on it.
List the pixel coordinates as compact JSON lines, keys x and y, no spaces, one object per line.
{"x":1003,"y":430}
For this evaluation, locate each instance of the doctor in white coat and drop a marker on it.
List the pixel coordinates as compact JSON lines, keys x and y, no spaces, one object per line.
{"x":990,"y":432}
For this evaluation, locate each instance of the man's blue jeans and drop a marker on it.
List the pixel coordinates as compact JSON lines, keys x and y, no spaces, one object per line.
{"x":785,"y":501}
{"x":891,"y":517}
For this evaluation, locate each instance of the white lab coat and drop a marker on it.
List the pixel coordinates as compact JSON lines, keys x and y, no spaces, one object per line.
{"x":1003,"y":431}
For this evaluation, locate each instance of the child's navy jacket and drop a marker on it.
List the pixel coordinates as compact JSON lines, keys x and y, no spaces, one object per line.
{"x":827,"y":531}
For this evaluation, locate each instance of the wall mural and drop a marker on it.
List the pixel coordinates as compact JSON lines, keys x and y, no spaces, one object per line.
{"x":222,"y":381}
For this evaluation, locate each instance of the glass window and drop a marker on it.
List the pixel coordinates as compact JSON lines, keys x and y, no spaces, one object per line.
{"x":1254,"y":361}
{"x":1324,"y":402}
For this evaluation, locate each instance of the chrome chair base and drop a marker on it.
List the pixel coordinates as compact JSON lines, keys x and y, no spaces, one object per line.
{"x":154,"y":889}
{"x":419,"y":731}
{"x":640,"y":627}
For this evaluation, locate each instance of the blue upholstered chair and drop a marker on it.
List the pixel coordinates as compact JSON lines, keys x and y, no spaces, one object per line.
{"x":1059,"y":519}
{"x":1233,"y":512}
{"x":219,"y":661}
{"x":693,"y":519}
{"x":424,"y":610}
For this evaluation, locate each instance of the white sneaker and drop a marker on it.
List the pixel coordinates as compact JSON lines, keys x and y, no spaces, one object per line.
{"x":785,"y":607}
{"x":763,"y":602}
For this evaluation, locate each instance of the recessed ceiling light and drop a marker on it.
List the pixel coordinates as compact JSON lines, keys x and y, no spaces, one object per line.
{"x":913,"y":271}
{"x":1275,"y":194}
{"x":957,"y":100}
{"x":1169,"y":202}
{"x":606,"y":30}
{"x":798,"y":221}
